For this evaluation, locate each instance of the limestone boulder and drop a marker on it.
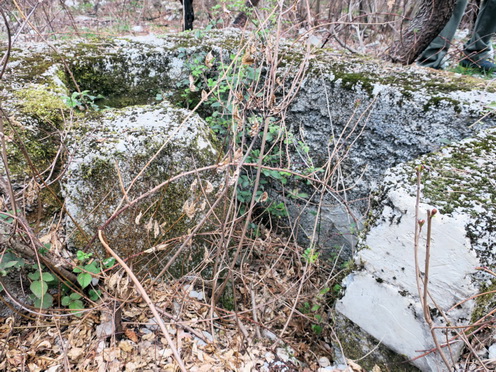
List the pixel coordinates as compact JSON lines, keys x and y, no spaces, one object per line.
{"x":123,"y":155}
{"x":360,"y":117}
{"x":382,"y":297}
{"x":345,"y":118}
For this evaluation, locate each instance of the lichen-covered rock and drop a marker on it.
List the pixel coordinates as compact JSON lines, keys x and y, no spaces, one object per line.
{"x":382,"y":296}
{"x":371,"y":116}
{"x":126,"y":153}
{"x":351,"y":115}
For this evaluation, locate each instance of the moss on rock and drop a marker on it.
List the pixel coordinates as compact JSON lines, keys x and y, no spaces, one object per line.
{"x":127,"y":153}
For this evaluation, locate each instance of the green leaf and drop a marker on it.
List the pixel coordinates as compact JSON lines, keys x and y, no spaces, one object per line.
{"x":6,"y":265}
{"x":34,"y":276}
{"x":315,"y":307}
{"x":84,"y":279}
{"x":109,"y":262}
{"x":323,"y":291}
{"x":44,"y":303}
{"x":47,"y":277}
{"x":66,"y":300}
{"x":77,"y":305}
{"x":95,"y":294}
{"x":39,"y":288}
{"x":317,"y":329}
{"x":93,"y":267}
{"x":75,"y":296}
{"x":9,"y":260}
{"x":6,"y":218}
{"x":82,"y":256}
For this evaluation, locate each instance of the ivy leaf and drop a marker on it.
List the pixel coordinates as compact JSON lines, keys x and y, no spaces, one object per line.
{"x":93,"y":267}
{"x":34,"y":276}
{"x":44,"y":303}
{"x":84,"y":280}
{"x":47,"y":277}
{"x":39,"y":288}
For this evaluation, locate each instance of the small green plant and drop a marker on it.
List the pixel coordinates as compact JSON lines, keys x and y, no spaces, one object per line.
{"x":82,"y":100}
{"x":40,"y":282}
{"x":6,"y":217}
{"x":469,"y":71}
{"x":314,"y":309}
{"x":231,"y":88}
{"x":73,"y":302}
{"x":9,"y":261}
{"x":85,"y":269}
{"x":277,"y":210}
{"x":44,"y":250}
{"x":310,"y":255}
{"x":297,"y":194}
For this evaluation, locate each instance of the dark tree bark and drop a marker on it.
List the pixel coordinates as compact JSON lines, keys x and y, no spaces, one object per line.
{"x":468,"y":20}
{"x":241,"y":19}
{"x":430,"y":19}
{"x":188,"y":14}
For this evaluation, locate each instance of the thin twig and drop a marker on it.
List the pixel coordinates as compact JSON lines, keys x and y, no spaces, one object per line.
{"x":145,"y":297}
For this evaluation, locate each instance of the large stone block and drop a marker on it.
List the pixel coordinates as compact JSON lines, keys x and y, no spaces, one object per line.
{"x":123,"y":155}
{"x":382,"y":297}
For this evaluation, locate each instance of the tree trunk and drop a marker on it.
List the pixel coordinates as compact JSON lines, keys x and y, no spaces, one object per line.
{"x":427,"y":24}
{"x":188,"y":14}
{"x":468,"y":20}
{"x":240,"y":20}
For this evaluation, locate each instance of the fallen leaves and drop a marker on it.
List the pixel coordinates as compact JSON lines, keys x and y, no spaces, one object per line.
{"x":208,"y":339}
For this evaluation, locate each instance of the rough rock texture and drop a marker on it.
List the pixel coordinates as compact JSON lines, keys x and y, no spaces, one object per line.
{"x":356,"y":115}
{"x":373,"y":117}
{"x":382,"y":296}
{"x":108,"y":155}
